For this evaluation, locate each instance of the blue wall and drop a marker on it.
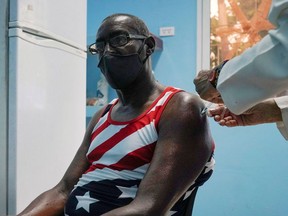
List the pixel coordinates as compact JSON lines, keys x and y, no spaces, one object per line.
{"x":251,"y":177}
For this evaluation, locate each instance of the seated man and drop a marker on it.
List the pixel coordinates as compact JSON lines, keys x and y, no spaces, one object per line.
{"x":145,"y":152}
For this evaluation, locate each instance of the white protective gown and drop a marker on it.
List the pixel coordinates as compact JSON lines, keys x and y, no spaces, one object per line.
{"x":261,"y":72}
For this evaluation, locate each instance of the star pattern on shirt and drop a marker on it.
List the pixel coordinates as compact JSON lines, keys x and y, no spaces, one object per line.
{"x":172,"y":212}
{"x":85,"y":203}
{"x":126,"y":191}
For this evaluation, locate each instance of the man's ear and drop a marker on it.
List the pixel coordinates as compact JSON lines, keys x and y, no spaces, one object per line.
{"x":150,"y":42}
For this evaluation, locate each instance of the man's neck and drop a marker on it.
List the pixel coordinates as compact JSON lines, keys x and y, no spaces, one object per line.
{"x":140,"y":94}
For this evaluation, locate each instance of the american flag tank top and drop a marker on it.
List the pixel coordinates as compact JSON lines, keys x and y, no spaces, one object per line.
{"x":119,"y":156}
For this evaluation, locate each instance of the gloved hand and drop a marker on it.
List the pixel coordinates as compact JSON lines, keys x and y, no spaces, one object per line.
{"x":205,"y":89}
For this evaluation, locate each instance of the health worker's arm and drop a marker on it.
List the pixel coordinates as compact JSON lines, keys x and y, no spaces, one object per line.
{"x":261,"y":71}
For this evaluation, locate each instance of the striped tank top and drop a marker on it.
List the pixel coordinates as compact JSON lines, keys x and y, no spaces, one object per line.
{"x":119,"y":156}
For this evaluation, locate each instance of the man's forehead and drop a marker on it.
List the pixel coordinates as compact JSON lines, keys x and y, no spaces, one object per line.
{"x":119,"y":20}
{"x":117,"y":24}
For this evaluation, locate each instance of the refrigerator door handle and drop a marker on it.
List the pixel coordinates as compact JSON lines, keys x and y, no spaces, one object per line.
{"x":41,"y":40}
{"x":36,"y":30}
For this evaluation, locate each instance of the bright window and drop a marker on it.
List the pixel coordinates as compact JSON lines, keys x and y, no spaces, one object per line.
{"x":236,"y":25}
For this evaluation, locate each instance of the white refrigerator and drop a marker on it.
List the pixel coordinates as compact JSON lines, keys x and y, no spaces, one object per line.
{"x":47,"y":94}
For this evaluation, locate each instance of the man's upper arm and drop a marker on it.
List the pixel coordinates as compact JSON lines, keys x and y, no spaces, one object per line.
{"x":183,"y":148}
{"x":80,"y":163}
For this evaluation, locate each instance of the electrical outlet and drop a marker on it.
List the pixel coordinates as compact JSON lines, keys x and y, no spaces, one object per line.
{"x":167,"y":31}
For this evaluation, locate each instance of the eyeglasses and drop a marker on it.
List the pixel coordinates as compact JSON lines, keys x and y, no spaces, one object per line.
{"x":116,"y":41}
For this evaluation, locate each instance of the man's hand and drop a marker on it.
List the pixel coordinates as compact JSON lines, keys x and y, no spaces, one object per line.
{"x":205,"y":89}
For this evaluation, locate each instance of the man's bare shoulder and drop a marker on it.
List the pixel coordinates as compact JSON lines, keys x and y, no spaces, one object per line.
{"x":186,"y":101}
{"x":184,"y":108}
{"x":182,"y":118}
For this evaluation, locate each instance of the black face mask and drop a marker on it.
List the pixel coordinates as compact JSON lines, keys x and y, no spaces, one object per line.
{"x":121,"y":70}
